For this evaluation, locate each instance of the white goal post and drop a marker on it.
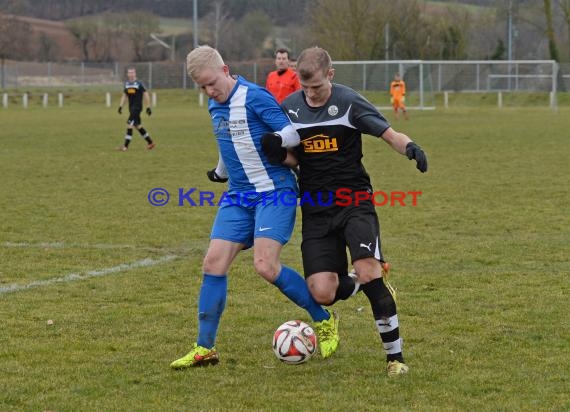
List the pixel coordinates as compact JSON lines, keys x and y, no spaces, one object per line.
{"x":424,"y":78}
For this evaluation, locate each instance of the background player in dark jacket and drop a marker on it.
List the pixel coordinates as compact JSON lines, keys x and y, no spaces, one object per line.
{"x":135,"y":92}
{"x":330,"y":119}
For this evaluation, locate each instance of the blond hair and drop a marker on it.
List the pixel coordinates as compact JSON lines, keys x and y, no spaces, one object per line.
{"x":203,"y":57}
{"x":313,"y":60}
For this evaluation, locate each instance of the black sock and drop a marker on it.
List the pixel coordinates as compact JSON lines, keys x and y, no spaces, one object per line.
{"x":145,"y":135}
{"x":385,"y":317}
{"x":128,"y":137}
{"x":346,"y":286}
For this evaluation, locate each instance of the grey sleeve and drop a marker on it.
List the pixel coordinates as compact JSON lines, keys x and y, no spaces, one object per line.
{"x":366,"y":118}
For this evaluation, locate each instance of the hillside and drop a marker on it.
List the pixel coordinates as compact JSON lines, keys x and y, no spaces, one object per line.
{"x":62,"y":42}
{"x":54,"y":33}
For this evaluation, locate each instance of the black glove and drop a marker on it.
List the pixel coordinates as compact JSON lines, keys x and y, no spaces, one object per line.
{"x":271,"y":145}
{"x":120,"y":110}
{"x":213,"y":176}
{"x":148,"y":111}
{"x":413,"y":151}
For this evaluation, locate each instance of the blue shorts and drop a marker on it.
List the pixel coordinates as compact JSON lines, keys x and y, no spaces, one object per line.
{"x":245,"y":217}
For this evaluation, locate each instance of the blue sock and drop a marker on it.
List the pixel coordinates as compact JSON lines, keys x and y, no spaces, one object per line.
{"x":292,"y":285}
{"x":211,"y":304}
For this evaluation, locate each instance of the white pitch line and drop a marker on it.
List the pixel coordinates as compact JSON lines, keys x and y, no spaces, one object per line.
{"x":62,"y":245}
{"x":92,"y":273}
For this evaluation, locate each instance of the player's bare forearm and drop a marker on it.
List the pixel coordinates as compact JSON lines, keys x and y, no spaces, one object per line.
{"x":396,"y":140}
{"x":290,"y":160}
{"x":146,"y":99}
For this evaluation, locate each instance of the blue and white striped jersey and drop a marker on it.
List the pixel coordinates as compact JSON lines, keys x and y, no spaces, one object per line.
{"x":239,"y":123}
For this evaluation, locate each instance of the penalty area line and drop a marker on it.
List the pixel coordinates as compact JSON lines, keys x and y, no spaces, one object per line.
{"x":90,"y":274}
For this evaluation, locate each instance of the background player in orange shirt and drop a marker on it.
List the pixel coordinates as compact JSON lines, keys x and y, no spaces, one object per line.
{"x":398,"y":95}
{"x":283,"y":81}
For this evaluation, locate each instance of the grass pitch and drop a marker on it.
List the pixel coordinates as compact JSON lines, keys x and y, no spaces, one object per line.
{"x":481,"y":266}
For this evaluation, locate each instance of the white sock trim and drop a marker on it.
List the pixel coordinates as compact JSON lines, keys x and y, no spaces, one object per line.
{"x":393,"y":347}
{"x":387,"y":325}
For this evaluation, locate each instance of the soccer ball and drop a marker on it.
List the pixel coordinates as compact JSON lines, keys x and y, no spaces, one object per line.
{"x":294,"y":342}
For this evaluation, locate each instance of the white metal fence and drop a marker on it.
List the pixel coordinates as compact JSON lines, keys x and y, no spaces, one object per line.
{"x":423,"y":78}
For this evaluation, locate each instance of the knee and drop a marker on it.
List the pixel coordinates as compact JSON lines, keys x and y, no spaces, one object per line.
{"x":322,"y":293}
{"x":368,"y":269}
{"x":215,"y":263}
{"x":367,"y":276}
{"x":208,"y":264}
{"x":266,"y":268}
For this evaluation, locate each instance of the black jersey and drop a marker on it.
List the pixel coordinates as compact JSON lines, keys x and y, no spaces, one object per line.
{"x":135,"y":92}
{"x":330,"y":153}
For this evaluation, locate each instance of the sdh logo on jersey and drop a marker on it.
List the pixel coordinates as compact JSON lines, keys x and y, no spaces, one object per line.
{"x":319,"y":144}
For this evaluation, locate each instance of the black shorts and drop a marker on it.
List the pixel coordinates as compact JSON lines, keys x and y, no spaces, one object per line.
{"x":134,"y":118}
{"x":326,"y":237}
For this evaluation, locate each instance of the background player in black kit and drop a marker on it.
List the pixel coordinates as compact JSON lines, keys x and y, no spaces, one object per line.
{"x":330,"y":119}
{"x":135,"y":92}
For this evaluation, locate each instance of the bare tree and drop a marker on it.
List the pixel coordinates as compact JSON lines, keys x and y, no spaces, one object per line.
{"x":353,"y":30}
{"x":14,"y":42}
{"x":243,"y":39}
{"x":98,"y":37}
{"x":219,"y":19}
{"x":84,"y":31}
{"x":257,"y":26}
{"x":110,"y":30}
{"x":451,"y":35}
{"x":216,"y":24}
{"x":413,"y":36}
{"x":348,"y":29}
{"x":565,"y":6}
{"x":15,"y":37}
{"x":47,"y":49}
{"x":138,"y":27}
{"x":550,"y":31}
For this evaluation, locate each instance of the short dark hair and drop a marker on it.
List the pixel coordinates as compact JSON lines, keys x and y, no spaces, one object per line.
{"x":282,"y":50}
